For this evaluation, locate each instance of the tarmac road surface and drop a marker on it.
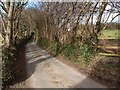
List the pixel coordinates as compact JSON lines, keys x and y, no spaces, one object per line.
{"x":45,"y":71}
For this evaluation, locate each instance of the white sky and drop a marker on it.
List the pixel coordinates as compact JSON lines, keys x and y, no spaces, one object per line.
{"x":117,"y":19}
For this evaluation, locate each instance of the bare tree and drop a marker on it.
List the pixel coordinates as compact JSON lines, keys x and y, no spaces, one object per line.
{"x":81,"y":21}
{"x":10,"y":14}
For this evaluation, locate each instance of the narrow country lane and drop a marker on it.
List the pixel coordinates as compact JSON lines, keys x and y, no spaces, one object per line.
{"x":44,"y":71}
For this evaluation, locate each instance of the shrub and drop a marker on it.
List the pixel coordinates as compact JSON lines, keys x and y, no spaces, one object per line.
{"x":10,"y":71}
{"x":83,"y":54}
{"x":43,"y":42}
{"x":8,"y":67}
{"x":78,"y":54}
{"x":55,"y":47}
{"x":71,"y":51}
{"x":86,"y":54}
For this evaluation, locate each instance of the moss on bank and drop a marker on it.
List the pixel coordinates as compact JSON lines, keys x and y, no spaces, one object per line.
{"x":79,"y":54}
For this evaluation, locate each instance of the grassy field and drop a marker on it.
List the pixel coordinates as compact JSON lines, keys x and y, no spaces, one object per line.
{"x":110,"y":34}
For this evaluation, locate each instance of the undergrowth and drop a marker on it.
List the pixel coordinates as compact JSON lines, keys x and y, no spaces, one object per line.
{"x":10,"y":71}
{"x":86,"y":58}
{"x":8,"y":67}
{"x":81,"y":55}
{"x":43,"y":43}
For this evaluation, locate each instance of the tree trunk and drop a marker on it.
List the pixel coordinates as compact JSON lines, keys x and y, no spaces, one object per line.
{"x":98,"y":23}
{"x":8,"y":36}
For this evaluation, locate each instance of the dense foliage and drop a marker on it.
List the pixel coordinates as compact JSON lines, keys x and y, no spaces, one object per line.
{"x":10,"y":71}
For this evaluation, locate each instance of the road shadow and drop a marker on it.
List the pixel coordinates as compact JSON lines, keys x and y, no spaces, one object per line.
{"x":31,"y":67}
{"x":97,"y":71}
{"x":110,"y":79}
{"x":24,"y":67}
